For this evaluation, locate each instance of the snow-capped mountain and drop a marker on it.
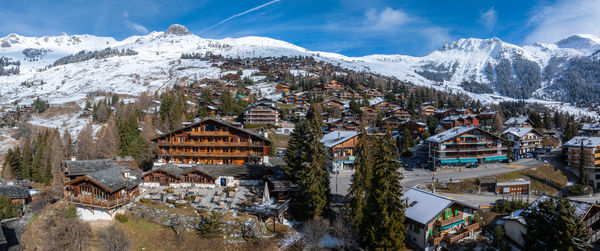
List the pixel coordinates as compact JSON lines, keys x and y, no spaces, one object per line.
{"x":487,"y":68}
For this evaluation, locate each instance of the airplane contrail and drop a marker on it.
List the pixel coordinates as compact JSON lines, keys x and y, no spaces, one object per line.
{"x":243,"y":13}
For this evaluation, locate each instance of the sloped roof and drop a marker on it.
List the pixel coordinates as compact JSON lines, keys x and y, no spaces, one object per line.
{"x":112,"y":179}
{"x":581,"y":208}
{"x":587,"y":141}
{"x":590,"y":127}
{"x":225,"y":123}
{"x":14,"y":192}
{"x":517,"y":120}
{"x":449,"y":134}
{"x":82,"y":167}
{"x":520,"y":131}
{"x":424,"y":206}
{"x":337,"y":137}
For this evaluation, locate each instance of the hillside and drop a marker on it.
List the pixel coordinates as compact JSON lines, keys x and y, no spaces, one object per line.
{"x":489,"y":69}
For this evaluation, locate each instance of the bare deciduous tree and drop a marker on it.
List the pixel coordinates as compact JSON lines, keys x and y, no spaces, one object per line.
{"x":114,"y":238}
{"x":314,"y":230}
{"x":85,"y":143}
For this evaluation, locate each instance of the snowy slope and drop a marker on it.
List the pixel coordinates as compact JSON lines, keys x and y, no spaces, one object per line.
{"x":157,"y":63}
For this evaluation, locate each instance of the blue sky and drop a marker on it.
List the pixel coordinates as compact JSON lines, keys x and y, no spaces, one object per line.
{"x":350,"y":27}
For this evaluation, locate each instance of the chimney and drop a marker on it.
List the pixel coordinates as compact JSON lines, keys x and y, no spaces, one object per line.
{"x":73,"y":158}
{"x":339,"y":135}
{"x":512,"y":215}
{"x":126,"y":173}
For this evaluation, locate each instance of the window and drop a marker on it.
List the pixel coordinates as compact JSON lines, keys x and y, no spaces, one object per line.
{"x":210,"y":128}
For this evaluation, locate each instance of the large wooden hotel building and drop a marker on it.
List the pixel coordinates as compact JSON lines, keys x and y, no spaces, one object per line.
{"x":463,"y":145}
{"x":215,"y":142}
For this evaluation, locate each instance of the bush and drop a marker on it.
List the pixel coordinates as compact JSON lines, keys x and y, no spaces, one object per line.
{"x":179,"y":204}
{"x":71,"y":211}
{"x":122,"y":218}
{"x":210,"y":227}
{"x":171,"y":200}
{"x":507,"y":206}
{"x":145,"y":200}
{"x":169,"y":190}
{"x":114,"y":238}
{"x":577,"y":189}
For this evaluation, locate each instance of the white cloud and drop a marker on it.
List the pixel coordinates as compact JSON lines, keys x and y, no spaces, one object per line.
{"x":136,"y":27}
{"x":386,"y":19}
{"x":436,"y":36}
{"x":564,"y":18}
{"x":489,"y":18}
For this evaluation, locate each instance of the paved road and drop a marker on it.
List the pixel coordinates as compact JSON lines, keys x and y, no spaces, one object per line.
{"x":341,"y":182}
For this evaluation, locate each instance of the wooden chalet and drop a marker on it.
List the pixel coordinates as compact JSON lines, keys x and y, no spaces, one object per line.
{"x":212,"y":141}
{"x":261,"y":113}
{"x":333,"y":85}
{"x":106,"y":189}
{"x":434,"y":222}
{"x":386,"y":106}
{"x":515,"y":225}
{"x":300,"y":98}
{"x":522,"y":121}
{"x":463,"y":145}
{"x":392,"y":122}
{"x":203,"y":176}
{"x":428,"y":110}
{"x":373,"y":93}
{"x":344,"y":125}
{"x":282,"y":87}
{"x":415,"y":128}
{"x":334,"y":104}
{"x":347,"y":95}
{"x":340,"y":145}
{"x":16,"y":194}
{"x":368,"y":113}
{"x":76,"y":168}
{"x":400,"y":113}
{"x":460,"y":120}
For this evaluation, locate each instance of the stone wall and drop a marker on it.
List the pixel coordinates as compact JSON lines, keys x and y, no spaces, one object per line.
{"x":231,"y":229}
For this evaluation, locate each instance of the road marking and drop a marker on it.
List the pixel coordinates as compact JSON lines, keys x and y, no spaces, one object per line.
{"x":514,"y":166}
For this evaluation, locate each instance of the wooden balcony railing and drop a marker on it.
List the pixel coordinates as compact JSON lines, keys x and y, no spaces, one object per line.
{"x":595,"y":236}
{"x":436,"y":241}
{"x":212,"y":154}
{"x":210,"y":133}
{"x":455,"y":238}
{"x":101,"y":203}
{"x":451,"y":220}
{"x":210,"y":144}
{"x":591,"y":220}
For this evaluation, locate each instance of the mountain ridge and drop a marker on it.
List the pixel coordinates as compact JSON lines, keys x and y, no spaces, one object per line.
{"x":484,"y":67}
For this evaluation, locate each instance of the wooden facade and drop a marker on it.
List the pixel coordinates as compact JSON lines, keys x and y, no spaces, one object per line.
{"x":212,"y":141}
{"x":165,"y":178}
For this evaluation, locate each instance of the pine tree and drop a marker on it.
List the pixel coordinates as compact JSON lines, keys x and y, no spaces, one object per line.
{"x":554,"y":225}
{"x":307,"y":166}
{"x":384,"y":203}
{"x":407,"y":142}
{"x":26,"y":160}
{"x":361,"y":183}
{"x":131,"y":143}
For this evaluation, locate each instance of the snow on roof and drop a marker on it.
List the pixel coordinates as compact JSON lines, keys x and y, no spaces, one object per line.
{"x":587,"y":141}
{"x":581,"y":208}
{"x":516,"y":120}
{"x":424,"y":206}
{"x":518,"y":131}
{"x":590,"y":127}
{"x":514,"y":182}
{"x":336,"y":137}
{"x":449,"y":134}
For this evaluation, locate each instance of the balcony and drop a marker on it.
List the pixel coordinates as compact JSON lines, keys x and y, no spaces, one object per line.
{"x":210,"y":133}
{"x":210,"y":144}
{"x":466,"y":230}
{"x":212,"y":154}
{"x":595,"y":236}
{"x":100,"y":203}
{"x":451,"y":239}
{"x":471,"y":149}
{"x":451,"y":220}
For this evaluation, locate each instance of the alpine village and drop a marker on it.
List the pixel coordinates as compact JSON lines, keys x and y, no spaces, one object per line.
{"x":292,"y":153}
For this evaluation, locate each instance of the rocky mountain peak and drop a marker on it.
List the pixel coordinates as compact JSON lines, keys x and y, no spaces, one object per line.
{"x":178,"y":30}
